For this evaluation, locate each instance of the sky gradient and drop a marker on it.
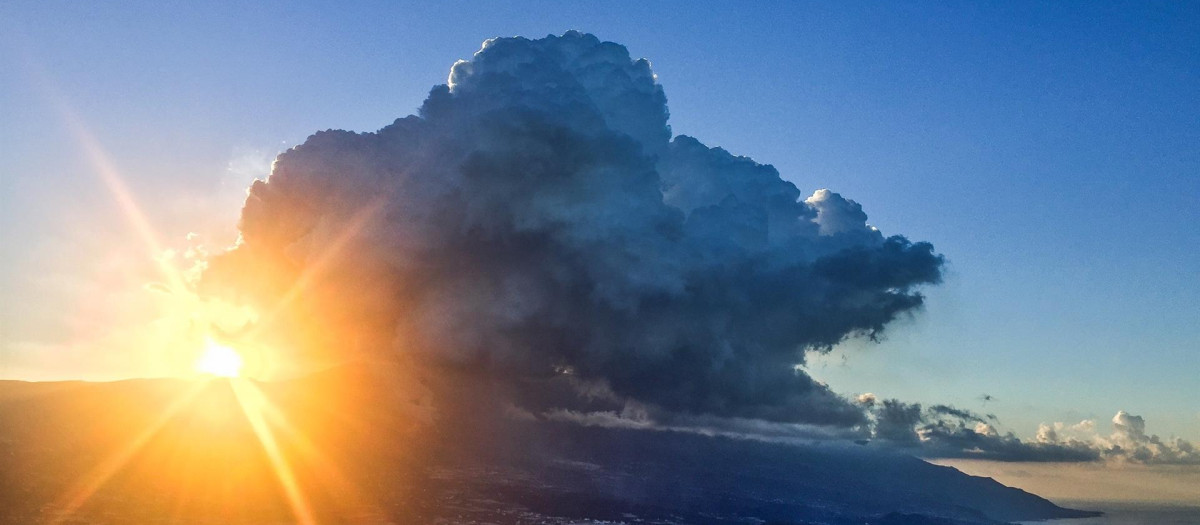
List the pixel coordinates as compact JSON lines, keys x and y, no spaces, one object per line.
{"x":1049,"y":153}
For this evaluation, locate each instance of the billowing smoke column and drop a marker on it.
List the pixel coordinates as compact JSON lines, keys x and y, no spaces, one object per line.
{"x":537,"y":218}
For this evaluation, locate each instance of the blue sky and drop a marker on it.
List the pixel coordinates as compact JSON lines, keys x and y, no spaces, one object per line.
{"x":1050,"y":152}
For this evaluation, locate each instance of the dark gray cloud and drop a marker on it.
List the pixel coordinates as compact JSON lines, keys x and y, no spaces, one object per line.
{"x":937,"y":431}
{"x":942,"y":431}
{"x":537,"y":218}
{"x":959,"y":414}
{"x":896,"y":422}
{"x":538,"y":224}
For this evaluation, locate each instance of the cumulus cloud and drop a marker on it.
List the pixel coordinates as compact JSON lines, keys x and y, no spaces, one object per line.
{"x":1046,"y":434}
{"x":537,"y":218}
{"x":837,"y":215}
{"x":935,"y":432}
{"x":537,"y":224}
{"x":942,"y":431}
{"x":1130,"y":442}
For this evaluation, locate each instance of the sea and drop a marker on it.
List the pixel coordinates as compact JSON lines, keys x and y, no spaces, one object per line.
{"x":1125,"y":513}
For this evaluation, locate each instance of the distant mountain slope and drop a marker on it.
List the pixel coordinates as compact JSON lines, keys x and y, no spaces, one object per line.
{"x":364,"y":450}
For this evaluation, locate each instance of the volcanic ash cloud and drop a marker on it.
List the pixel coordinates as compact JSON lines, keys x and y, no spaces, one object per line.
{"x":537,"y":219}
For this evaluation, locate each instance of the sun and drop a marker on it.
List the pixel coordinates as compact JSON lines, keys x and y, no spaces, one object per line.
{"x":219,"y":360}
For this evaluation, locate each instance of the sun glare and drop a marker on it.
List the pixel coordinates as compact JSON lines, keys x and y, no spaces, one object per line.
{"x":219,"y":360}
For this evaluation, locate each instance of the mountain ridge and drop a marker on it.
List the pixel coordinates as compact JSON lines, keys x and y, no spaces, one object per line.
{"x":400,"y":455}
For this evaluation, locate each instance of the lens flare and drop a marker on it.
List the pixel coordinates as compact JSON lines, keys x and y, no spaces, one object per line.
{"x":219,"y":360}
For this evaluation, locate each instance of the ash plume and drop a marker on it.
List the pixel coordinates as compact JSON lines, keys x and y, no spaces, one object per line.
{"x":537,"y":219}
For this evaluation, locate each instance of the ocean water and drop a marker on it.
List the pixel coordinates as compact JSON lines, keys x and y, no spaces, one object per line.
{"x":1122,"y":513}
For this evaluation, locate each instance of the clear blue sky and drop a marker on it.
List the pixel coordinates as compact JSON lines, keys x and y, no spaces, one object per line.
{"x":1051,"y":152}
